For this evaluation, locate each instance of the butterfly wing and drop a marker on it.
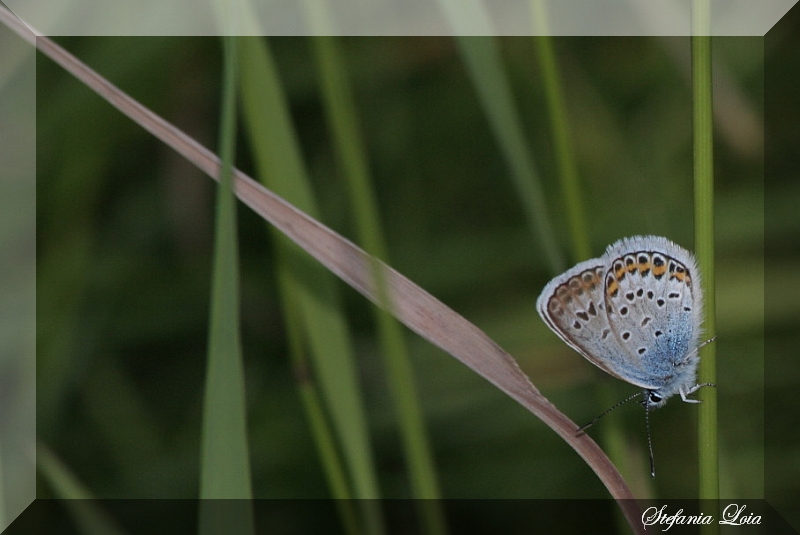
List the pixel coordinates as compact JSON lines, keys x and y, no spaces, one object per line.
{"x":573,"y":305}
{"x":654,"y":304}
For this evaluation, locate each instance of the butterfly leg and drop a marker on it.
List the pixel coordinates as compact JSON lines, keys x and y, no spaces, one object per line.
{"x":691,"y":391}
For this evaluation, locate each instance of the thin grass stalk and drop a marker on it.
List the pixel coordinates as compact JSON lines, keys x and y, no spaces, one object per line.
{"x":330,"y":458}
{"x":611,"y":430}
{"x":562,"y":140}
{"x":704,"y":245}
{"x":280,"y":165}
{"x":89,"y":518}
{"x":225,"y":459}
{"x":565,"y":156}
{"x":324,"y":439}
{"x":482,"y":58}
{"x":343,"y":120}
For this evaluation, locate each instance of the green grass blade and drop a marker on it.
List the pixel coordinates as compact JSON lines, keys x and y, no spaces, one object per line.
{"x":612,"y":434}
{"x":324,"y":438}
{"x":280,"y":166}
{"x":225,"y":461}
{"x":342,"y":117}
{"x":565,"y":160}
{"x":562,"y":140}
{"x":482,"y":58}
{"x":89,"y":518}
{"x":704,"y":242}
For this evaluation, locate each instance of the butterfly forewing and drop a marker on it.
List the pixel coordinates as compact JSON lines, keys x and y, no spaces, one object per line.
{"x":574,"y":306}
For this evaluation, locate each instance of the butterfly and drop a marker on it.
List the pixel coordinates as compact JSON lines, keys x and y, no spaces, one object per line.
{"x":636,"y":313}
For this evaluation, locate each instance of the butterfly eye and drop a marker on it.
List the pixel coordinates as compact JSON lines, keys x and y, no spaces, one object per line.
{"x":653,"y":398}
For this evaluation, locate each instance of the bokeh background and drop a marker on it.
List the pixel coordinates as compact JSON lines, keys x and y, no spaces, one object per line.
{"x":124,"y":237}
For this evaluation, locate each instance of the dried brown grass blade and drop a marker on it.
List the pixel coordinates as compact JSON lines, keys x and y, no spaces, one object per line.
{"x":413,"y":306}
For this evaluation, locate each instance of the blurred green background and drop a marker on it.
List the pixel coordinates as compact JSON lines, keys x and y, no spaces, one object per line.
{"x":124,"y":258}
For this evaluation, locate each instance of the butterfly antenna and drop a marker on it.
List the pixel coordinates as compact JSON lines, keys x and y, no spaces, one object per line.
{"x":700,"y":346}
{"x":649,"y":441}
{"x":590,"y":424}
{"x":707,"y":342}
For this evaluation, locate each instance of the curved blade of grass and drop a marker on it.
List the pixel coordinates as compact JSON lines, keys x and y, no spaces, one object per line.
{"x":435,"y":322}
{"x":704,"y":244}
{"x":342,"y":118}
{"x":90,"y":519}
{"x":281,"y":167}
{"x":414,"y":307}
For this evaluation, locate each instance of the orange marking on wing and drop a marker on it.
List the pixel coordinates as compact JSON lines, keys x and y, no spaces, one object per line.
{"x":681,"y":276}
{"x":612,"y":289}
